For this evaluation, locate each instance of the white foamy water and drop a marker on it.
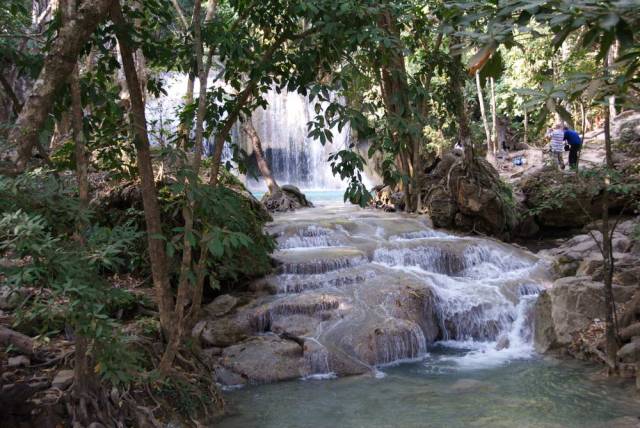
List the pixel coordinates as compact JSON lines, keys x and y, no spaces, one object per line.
{"x":404,"y":287}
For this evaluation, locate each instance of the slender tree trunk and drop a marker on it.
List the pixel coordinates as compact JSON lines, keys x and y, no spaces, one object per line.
{"x":223,"y":133}
{"x":608,"y":260}
{"x":15,"y":102}
{"x":263,"y":166}
{"x":150,"y":202}
{"x":526,"y":126}
{"x":394,"y":85}
{"x":58,"y":65}
{"x":77,"y":116}
{"x":84,"y":376}
{"x":494,"y":116}
{"x":607,"y":251}
{"x":240,"y":103}
{"x":464,"y":134}
{"x":483,"y":114}
{"x":611,"y":58}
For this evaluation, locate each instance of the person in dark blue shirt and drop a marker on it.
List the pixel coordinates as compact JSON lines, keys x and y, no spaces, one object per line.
{"x":575,"y":144}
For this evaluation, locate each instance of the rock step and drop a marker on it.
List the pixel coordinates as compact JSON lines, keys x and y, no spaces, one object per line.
{"x":313,"y":261}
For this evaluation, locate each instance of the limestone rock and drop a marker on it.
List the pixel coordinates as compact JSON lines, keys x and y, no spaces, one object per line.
{"x":226,"y":377}
{"x":223,"y":331}
{"x":264,"y":359}
{"x":564,"y":200}
{"x":454,"y":198}
{"x":568,"y":307}
{"x":221,"y":305}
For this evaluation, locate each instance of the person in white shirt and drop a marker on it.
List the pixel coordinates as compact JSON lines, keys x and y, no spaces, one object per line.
{"x":556,"y":135}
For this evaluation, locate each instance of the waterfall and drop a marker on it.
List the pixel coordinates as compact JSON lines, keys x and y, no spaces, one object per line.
{"x":382,"y":288}
{"x":294,"y":158}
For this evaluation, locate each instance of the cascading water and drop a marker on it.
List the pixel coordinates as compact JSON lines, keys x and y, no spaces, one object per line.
{"x":360,"y":291}
{"x":378,"y":288}
{"x":294,"y":158}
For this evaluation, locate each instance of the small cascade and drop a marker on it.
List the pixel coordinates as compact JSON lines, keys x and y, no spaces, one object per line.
{"x":316,"y":359}
{"x":401,"y":340}
{"x":312,"y":262}
{"x":311,"y":236}
{"x":363,"y":288}
{"x":291,"y":283}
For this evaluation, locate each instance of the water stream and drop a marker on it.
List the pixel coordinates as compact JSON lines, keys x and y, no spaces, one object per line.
{"x":444,"y":323}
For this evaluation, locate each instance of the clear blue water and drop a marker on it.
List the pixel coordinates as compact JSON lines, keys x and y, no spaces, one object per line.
{"x":315,"y":196}
{"x":436,"y":392}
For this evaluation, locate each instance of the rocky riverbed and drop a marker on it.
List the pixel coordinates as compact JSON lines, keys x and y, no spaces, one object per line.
{"x":356,"y":289}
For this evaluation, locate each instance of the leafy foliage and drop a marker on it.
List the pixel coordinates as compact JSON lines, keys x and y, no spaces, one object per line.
{"x":67,"y":278}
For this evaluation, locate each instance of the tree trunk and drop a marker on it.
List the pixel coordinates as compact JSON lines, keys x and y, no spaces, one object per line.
{"x":79,"y":138}
{"x":483,"y":114}
{"x":608,"y":260}
{"x":464,"y":134}
{"x":241,"y":100}
{"x":526,"y":126}
{"x":58,"y":65}
{"x":494,"y":117}
{"x":84,"y":375}
{"x":203,"y":68}
{"x":157,"y":256}
{"x":611,"y":58}
{"x":263,"y":166}
{"x":607,"y":251}
{"x":222,"y":135}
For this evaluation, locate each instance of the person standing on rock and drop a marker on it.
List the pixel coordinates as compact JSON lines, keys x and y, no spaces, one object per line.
{"x":556,"y":135}
{"x":575,"y":144}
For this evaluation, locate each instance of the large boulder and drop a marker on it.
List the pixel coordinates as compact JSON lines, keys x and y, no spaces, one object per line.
{"x":569,"y":307}
{"x":286,"y":198}
{"x":469,"y":197}
{"x":563,"y":199}
{"x":223,"y":332}
{"x":263,"y":359}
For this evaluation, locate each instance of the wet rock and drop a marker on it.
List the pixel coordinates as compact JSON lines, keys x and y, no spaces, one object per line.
{"x":287,"y":198}
{"x":18,"y":361}
{"x":568,"y":307}
{"x":226,"y":377}
{"x":503,"y":343}
{"x":221,"y":305}
{"x":318,"y":260}
{"x":63,"y":379}
{"x":264,"y":359}
{"x":630,"y":353}
{"x":297,"y":314}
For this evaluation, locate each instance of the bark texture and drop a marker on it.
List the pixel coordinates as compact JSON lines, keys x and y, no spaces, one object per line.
{"x":150,"y":203}
{"x":58,"y":65}
{"x":263,"y":166}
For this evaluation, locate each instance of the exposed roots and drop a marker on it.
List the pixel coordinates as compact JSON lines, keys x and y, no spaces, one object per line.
{"x":286,"y":198}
